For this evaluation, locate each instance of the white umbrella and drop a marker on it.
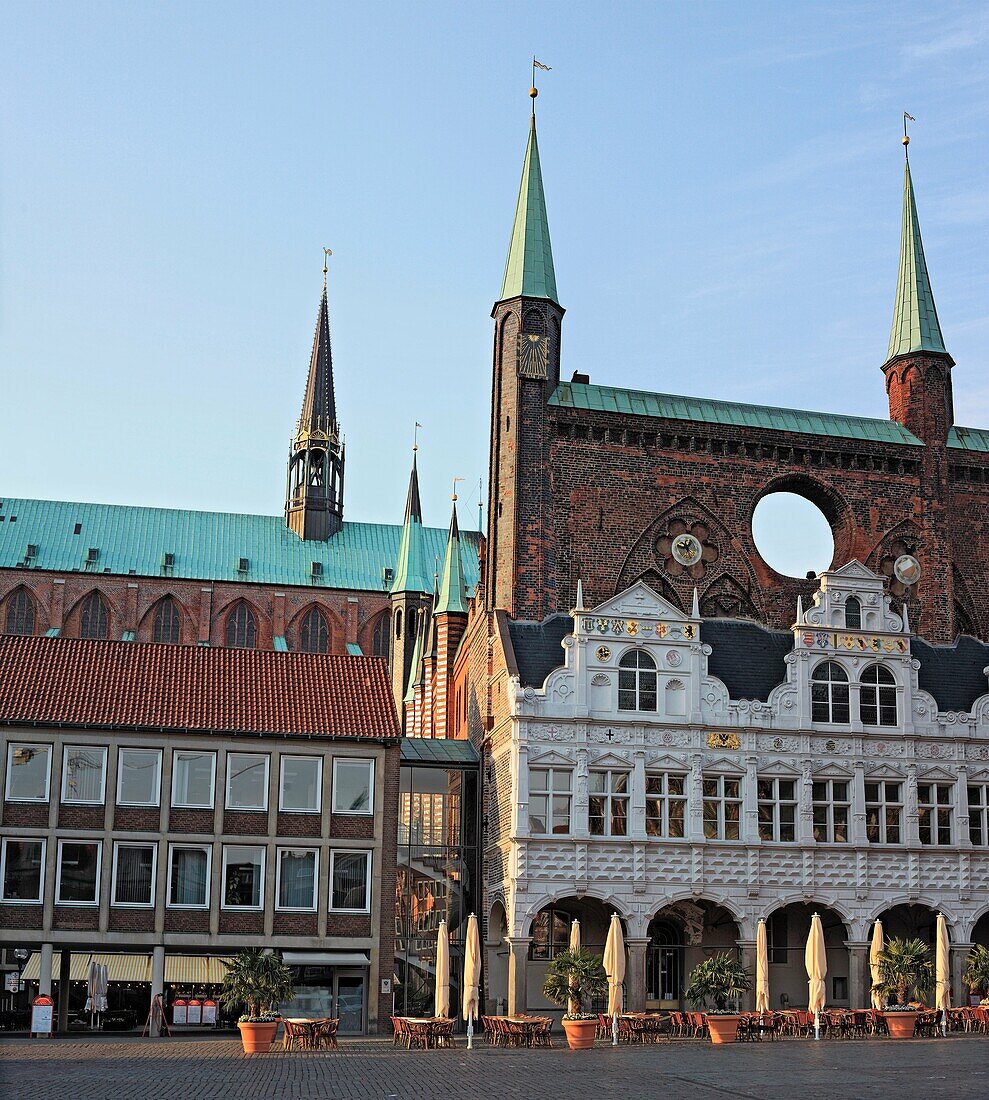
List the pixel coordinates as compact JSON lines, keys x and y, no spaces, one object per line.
{"x":815,"y":959}
{"x":442,"y":1000}
{"x":101,"y":990}
{"x":614,"y":967}
{"x":878,"y":943}
{"x":761,"y":969}
{"x":472,"y":976}
{"x":574,"y":946}
{"x":942,"y":972}
{"x":91,"y":989}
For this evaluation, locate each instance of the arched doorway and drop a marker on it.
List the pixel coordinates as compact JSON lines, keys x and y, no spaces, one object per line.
{"x":910,"y":922}
{"x":497,"y":951}
{"x":787,"y":929}
{"x":664,"y":962}
{"x":680,"y":936}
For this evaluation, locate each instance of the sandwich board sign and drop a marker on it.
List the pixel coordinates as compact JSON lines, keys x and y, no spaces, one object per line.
{"x":42,"y":1011}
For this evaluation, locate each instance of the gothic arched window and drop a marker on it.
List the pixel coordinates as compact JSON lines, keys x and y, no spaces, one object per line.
{"x":314,"y":637}
{"x":241,"y":628}
{"x":877,"y":697}
{"x":166,"y":622}
{"x":20,"y":613}
{"x":398,"y":623}
{"x":94,"y":621}
{"x":637,"y":681}
{"x":379,"y":637}
{"x":829,"y":693}
{"x":853,"y":613}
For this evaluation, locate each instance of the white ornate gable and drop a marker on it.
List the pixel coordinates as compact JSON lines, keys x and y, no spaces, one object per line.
{"x":639,"y":601}
{"x":837,"y":587}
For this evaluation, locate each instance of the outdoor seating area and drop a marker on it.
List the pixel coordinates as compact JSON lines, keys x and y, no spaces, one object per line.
{"x":518,"y":1031}
{"x":423,"y":1032}
{"x":310,"y":1034}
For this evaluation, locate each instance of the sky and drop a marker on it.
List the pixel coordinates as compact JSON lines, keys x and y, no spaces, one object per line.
{"x":723,"y":183}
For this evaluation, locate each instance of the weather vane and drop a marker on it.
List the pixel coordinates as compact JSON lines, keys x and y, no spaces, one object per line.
{"x":906,"y":137}
{"x":415,"y":437}
{"x":534,"y":91}
{"x":327,"y":253}
{"x":455,"y":480}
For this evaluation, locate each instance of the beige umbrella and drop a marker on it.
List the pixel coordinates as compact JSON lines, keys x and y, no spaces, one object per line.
{"x":942,"y":972}
{"x":573,"y":1007}
{"x":875,"y":951}
{"x":472,"y":977}
{"x":761,"y":969}
{"x":614,"y":967}
{"x":442,"y":971}
{"x":817,"y":968}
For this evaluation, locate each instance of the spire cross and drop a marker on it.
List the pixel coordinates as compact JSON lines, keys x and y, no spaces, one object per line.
{"x":327,"y":253}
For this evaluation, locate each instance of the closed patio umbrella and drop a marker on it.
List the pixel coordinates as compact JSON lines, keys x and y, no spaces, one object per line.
{"x":574,"y":946}
{"x":614,"y":967}
{"x":942,"y":972}
{"x":92,"y":982}
{"x":472,"y":976}
{"x":816,"y":962}
{"x":103,"y":985}
{"x":442,"y":1005}
{"x":761,"y":969}
{"x":875,"y":951}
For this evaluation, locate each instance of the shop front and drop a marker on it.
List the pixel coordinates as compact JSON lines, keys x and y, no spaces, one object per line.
{"x":330,"y":984}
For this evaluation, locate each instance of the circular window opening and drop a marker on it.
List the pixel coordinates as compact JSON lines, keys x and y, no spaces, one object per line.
{"x":792,"y":535}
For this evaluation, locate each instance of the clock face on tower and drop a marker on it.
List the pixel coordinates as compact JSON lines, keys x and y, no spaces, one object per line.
{"x":533,"y":352}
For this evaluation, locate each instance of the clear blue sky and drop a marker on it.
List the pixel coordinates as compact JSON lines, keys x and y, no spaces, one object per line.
{"x":723,"y":183}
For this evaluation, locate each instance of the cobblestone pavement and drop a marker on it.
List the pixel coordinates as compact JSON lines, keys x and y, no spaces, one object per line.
{"x":132,"y":1069}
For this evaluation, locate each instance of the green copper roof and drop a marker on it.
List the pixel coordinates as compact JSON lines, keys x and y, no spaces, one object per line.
{"x":915,"y":324}
{"x":414,"y":665}
{"x":207,"y":545}
{"x":453,"y":594}
{"x":969,"y":439}
{"x":529,"y":270}
{"x":576,"y":395}
{"x":412,"y":572}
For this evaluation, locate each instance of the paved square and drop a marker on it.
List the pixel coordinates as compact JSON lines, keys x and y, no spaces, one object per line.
{"x":131,"y":1069}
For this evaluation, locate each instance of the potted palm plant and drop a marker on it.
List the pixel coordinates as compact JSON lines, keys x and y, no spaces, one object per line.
{"x":258,"y":981}
{"x":976,"y":975}
{"x":572,"y":979}
{"x":906,"y":971}
{"x":718,"y":980}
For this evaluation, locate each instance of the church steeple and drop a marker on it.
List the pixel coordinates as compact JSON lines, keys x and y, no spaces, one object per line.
{"x":529,"y":269}
{"x":314,"y":494}
{"x":411,"y":567}
{"x":452,"y":597}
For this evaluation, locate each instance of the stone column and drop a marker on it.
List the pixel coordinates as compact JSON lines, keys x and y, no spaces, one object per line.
{"x":157,"y":985}
{"x":45,"y":979}
{"x":858,"y":838}
{"x":750,"y":801}
{"x":635,"y":975}
{"x":859,"y":974}
{"x":64,"y":966}
{"x":518,"y":962}
{"x":746,"y":956}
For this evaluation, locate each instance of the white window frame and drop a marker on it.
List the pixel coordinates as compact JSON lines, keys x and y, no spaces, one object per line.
{"x":278,"y":879}
{"x":47,"y":747}
{"x":66,"y":749}
{"x":368,"y":864}
{"x":610,"y":797}
{"x":337,"y":760}
{"x":267,"y":775}
{"x":282,"y":809}
{"x":98,"y":844}
{"x":208,"y":849}
{"x":883,"y":804}
{"x":223,"y":879}
{"x":41,"y":877}
{"x":150,"y":904}
{"x":194,"y":805}
{"x":550,"y":793}
{"x":721,"y":800}
{"x":937,"y":810}
{"x":829,"y":803}
{"x":664,"y":799}
{"x":120,"y":775}
{"x":872,"y":693}
{"x":776,"y":802}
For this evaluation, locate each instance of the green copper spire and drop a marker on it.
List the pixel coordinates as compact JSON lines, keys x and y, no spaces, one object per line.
{"x":915,"y":323}
{"x":453,"y":591}
{"x":529,"y":270}
{"x":414,"y":663}
{"x":411,"y":568}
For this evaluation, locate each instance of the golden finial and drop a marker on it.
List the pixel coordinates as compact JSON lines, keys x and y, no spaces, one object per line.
{"x":327,"y":253}
{"x":906,"y":137}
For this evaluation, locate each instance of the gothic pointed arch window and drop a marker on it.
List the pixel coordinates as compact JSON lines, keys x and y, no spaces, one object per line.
{"x":314,"y":636}
{"x":20,"y":613}
{"x":637,"y":681}
{"x":242,"y":628}
{"x":829,"y":693}
{"x":167,"y":622}
{"x":94,"y":619}
{"x":853,"y":613}
{"x":379,"y":636}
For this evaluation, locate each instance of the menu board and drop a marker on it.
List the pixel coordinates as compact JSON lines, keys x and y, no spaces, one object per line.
{"x":42,"y":1011}
{"x":195,"y":1012}
{"x":180,"y":1011}
{"x":209,"y":1012}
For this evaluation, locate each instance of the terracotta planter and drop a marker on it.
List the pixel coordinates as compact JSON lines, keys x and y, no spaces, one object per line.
{"x":723,"y":1028}
{"x":257,"y":1038}
{"x":580,"y":1033}
{"x":900,"y":1024}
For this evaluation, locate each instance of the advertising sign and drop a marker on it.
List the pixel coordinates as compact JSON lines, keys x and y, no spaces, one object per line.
{"x":209,"y":1012}
{"x":42,"y":1010}
{"x":13,"y":982}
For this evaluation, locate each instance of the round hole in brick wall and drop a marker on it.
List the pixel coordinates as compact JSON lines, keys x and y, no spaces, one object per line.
{"x":792,"y":534}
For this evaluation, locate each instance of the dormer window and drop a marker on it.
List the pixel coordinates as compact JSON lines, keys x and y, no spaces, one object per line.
{"x":853,"y":613}
{"x":829,"y":693}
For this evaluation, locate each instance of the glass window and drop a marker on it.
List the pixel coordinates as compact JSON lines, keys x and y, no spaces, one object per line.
{"x":350,"y":881}
{"x":243,"y":876}
{"x":429,"y":807}
{"x":884,"y":811}
{"x":978,"y":813}
{"x":607,"y":812}
{"x":550,"y":933}
{"x":831,"y":809}
{"x":296,"y":886}
{"x":192,"y":779}
{"x":353,"y":786}
{"x":20,"y":613}
{"x":167,"y":622}
{"x":28,"y":772}
{"x":853,"y":613}
{"x":314,"y":637}
{"x":722,"y":807}
{"x":78,"y":872}
{"x":83,"y":775}
{"x":134,"y":874}
{"x":549,"y":800}
{"x":637,"y":681}
{"x":777,"y":935}
{"x":829,"y":693}
{"x":23,"y":870}
{"x":777,"y":810}
{"x":666,"y":805}
{"x":301,"y":780}
{"x":242,"y":628}
{"x":188,"y":876}
{"x":138,"y":777}
{"x":934,"y":805}
{"x":247,"y":781}
{"x":877,"y":697}
{"x":94,"y":620}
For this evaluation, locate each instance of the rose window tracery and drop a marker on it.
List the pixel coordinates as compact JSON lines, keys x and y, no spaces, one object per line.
{"x":900,"y":566}
{"x":686,"y":549}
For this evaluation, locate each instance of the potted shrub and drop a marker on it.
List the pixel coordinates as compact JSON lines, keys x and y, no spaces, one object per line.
{"x":718,"y":980}
{"x":976,"y":975}
{"x":259,"y":981}
{"x":905,"y":970}
{"x":572,"y":979}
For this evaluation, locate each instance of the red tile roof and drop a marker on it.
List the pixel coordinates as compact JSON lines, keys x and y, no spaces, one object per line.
{"x":135,"y":685}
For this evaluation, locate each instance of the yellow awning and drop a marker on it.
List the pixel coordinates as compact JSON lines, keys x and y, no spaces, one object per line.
{"x":187,"y":970}
{"x":179,"y":969}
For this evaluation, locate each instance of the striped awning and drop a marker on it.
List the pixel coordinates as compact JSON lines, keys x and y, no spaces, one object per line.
{"x":119,"y":968}
{"x":195,"y":969}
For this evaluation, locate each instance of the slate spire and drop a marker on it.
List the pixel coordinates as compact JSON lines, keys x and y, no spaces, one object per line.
{"x":453,"y":591}
{"x":529,"y":270}
{"x":319,"y":407}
